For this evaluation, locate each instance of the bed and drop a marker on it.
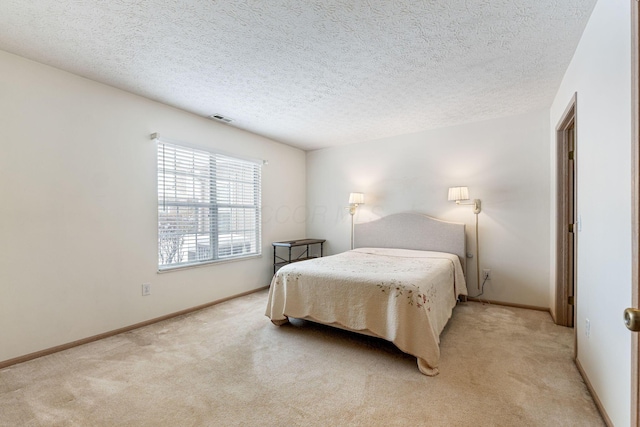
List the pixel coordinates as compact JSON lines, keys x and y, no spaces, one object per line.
{"x":400,"y":283}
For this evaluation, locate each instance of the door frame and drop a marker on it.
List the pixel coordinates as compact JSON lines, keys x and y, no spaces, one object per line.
{"x":567,"y":121}
{"x":635,"y":207}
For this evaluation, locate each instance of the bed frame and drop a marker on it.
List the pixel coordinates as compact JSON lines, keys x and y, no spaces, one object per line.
{"x":413,"y":231}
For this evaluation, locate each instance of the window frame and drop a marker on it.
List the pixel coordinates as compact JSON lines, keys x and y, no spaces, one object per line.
{"x":235,"y":164}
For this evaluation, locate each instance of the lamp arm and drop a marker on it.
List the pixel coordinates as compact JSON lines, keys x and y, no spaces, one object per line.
{"x":477,"y":206}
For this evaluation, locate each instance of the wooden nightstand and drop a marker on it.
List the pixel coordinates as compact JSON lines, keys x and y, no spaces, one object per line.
{"x":279,"y":261}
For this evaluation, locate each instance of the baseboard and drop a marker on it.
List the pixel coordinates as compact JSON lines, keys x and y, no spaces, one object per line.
{"x":509,"y":304}
{"x":35,"y":355}
{"x":594,"y":395}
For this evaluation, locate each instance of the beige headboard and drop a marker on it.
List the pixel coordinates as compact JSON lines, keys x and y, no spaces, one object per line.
{"x":413,"y":231}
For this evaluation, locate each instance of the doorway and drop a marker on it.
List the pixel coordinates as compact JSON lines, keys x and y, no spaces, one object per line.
{"x":566,"y":227}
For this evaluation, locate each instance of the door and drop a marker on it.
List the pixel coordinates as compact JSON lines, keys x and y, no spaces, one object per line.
{"x":566,"y":143}
{"x":571,"y":220}
{"x":635,"y":207}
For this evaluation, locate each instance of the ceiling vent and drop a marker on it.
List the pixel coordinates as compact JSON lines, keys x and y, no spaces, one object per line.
{"x":220,"y":118}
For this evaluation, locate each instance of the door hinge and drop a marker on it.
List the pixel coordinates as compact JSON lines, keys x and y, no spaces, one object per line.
{"x":571,"y":228}
{"x":570,"y":300}
{"x":571,"y":155}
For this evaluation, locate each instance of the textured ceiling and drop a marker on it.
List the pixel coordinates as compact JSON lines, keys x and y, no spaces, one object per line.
{"x":312,"y":73}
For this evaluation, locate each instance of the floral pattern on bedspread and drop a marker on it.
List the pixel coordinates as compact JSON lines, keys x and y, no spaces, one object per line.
{"x":411,"y":293}
{"x":403,"y":296}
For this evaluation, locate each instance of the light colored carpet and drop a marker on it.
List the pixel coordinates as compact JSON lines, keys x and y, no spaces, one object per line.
{"x":229,"y":366}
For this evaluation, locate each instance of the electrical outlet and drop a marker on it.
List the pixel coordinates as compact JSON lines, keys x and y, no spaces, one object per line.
{"x":587,"y":328}
{"x":146,"y":289}
{"x":486,"y":274}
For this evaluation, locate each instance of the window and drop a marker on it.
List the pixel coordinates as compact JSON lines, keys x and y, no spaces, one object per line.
{"x":208,"y":206}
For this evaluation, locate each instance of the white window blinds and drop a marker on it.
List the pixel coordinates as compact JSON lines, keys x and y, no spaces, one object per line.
{"x":208,"y":206}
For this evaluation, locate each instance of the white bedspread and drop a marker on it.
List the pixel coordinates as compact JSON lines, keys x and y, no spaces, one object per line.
{"x":403,"y":296}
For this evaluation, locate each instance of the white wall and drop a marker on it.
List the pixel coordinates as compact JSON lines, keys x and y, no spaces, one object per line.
{"x":600,"y":74}
{"x":504,"y":162}
{"x":78,"y":208}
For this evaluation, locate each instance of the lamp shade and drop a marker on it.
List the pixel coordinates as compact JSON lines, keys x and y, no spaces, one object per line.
{"x":356,"y":199}
{"x":458,"y":193}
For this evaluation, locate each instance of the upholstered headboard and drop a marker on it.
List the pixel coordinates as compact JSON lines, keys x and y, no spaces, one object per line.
{"x":413,"y":231}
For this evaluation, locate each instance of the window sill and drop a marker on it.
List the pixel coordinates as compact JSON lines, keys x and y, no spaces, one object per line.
{"x":206,"y":264}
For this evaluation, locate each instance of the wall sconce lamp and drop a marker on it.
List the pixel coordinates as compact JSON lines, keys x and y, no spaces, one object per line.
{"x":355,"y":200}
{"x":462,"y":193}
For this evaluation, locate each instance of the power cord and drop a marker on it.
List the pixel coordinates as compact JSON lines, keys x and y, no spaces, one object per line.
{"x":481,"y":289}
